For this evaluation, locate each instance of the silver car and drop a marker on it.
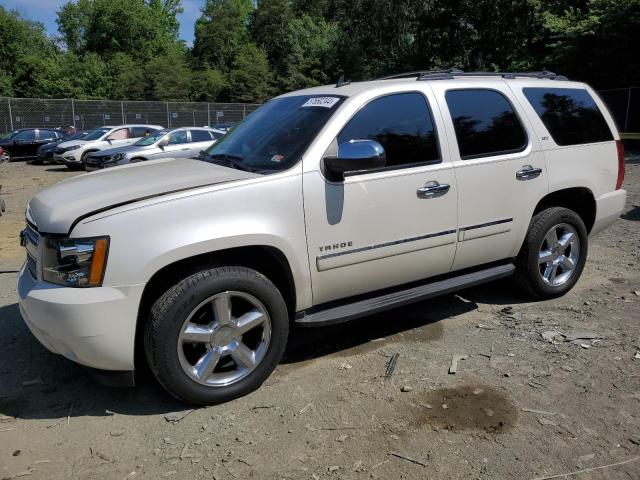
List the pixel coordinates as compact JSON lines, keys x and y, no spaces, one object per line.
{"x":185,"y":142}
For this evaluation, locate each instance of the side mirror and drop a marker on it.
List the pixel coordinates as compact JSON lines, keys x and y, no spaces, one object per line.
{"x":163,"y":143}
{"x":354,"y":156}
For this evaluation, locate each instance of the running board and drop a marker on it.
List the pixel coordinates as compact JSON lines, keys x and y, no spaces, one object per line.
{"x":369,"y":306}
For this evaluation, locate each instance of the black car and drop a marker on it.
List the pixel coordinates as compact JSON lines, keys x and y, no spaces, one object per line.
{"x":45,"y":152}
{"x":24,"y":143}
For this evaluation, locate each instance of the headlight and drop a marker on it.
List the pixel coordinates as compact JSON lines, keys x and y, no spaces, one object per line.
{"x":75,"y":262}
{"x":117,"y":156}
{"x":75,"y":147}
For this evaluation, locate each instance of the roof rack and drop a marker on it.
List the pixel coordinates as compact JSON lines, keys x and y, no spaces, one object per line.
{"x":419,"y":73}
{"x":454,"y":72}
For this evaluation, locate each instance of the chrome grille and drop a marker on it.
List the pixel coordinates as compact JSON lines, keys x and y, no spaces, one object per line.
{"x":32,"y":238}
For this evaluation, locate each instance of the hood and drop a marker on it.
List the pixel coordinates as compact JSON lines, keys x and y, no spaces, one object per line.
{"x":57,"y":208}
{"x":50,"y":145}
{"x":112,"y":151}
{"x":72,"y":143}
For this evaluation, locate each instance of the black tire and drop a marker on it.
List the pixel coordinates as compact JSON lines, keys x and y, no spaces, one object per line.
{"x":528,"y":271}
{"x":169,"y":312}
{"x":84,"y":158}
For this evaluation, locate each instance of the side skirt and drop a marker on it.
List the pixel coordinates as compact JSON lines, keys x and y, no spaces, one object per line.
{"x":342,"y":313}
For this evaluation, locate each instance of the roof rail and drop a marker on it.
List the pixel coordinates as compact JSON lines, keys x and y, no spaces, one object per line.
{"x":451,"y":73}
{"x":419,"y":73}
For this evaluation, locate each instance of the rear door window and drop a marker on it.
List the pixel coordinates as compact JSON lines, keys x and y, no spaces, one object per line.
{"x":402,"y":124}
{"x":47,"y":135}
{"x":200,"y":136}
{"x":570,"y":115}
{"x":485,"y":123}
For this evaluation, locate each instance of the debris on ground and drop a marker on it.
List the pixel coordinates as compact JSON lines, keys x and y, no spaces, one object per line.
{"x":552,"y":336}
{"x":406,"y":388}
{"x":454,"y":363}
{"x":391,"y":366}
{"x":408,"y":459}
{"x":175,"y":417}
{"x":635,"y":439}
{"x":572,"y":337}
{"x":537,"y":412}
{"x":345,"y":366}
{"x":546,"y":421}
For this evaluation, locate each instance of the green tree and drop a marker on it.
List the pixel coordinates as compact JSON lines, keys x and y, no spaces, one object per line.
{"x":310,"y":59}
{"x":221,"y":32}
{"x":168,"y":77}
{"x":141,"y":28}
{"x":250,"y":78}
{"x":208,"y":85}
{"x":127,"y":76}
{"x":269,"y":21}
{"x":597,"y":43}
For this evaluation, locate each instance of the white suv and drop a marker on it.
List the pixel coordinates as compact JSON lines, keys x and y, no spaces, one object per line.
{"x":324,"y":205}
{"x":74,"y":153}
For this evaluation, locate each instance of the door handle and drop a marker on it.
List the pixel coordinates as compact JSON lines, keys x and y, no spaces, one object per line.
{"x":528,"y":173}
{"x":432,"y":190}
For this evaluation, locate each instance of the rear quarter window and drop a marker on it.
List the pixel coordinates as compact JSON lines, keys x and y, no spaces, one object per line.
{"x":570,"y":115}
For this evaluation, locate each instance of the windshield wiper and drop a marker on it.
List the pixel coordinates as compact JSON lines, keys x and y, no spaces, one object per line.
{"x":233,"y":161}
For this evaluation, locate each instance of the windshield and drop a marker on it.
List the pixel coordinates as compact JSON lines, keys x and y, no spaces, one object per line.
{"x":274,"y":137}
{"x":8,"y":135}
{"x":97,"y":134}
{"x":151,"y":139}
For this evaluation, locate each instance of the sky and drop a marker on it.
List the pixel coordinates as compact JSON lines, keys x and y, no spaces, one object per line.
{"x":45,"y":11}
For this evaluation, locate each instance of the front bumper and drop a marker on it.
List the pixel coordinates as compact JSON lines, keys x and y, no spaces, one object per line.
{"x":94,"y":327}
{"x":609,"y":207}
{"x":67,"y":158}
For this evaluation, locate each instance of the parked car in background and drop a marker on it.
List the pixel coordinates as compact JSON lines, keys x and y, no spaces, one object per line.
{"x":224,"y":127}
{"x":170,"y":143}
{"x":45,"y":152}
{"x":3,"y":156}
{"x":74,"y":153}
{"x":24,"y":143}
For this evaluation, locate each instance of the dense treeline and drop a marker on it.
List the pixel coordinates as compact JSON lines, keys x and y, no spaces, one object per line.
{"x":129,"y":49}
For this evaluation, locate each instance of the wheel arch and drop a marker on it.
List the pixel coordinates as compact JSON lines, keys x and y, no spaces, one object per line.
{"x":266,"y":259}
{"x":579,"y":199}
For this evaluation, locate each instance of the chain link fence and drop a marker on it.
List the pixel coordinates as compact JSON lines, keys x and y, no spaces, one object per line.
{"x":87,"y":114}
{"x":624,"y":104}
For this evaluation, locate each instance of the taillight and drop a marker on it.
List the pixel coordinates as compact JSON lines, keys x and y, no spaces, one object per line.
{"x":620,"y":179}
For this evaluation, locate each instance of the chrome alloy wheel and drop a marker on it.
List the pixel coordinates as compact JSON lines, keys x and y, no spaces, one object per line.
{"x":224,"y":338}
{"x":559,"y":254}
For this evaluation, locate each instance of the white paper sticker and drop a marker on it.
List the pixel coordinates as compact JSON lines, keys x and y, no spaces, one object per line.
{"x":326,"y":102}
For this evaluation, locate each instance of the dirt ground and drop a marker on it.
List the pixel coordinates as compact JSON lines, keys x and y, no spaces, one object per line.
{"x":518,"y":407}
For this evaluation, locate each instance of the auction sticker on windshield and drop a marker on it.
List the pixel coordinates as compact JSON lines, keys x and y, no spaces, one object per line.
{"x":326,"y":102}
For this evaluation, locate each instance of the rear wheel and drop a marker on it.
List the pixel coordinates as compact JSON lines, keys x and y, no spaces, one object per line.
{"x":216,"y":335}
{"x":554,"y":253}
{"x":6,"y":157}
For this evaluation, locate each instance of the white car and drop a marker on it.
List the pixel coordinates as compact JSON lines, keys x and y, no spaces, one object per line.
{"x":74,"y":153}
{"x":324,"y":205}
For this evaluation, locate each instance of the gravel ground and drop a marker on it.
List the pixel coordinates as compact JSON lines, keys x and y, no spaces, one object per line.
{"x":518,"y":407}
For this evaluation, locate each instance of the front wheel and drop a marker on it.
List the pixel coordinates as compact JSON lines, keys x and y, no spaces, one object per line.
{"x":553,"y":254}
{"x":216,"y":335}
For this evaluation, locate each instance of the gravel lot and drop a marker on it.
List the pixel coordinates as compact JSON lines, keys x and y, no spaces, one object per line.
{"x":518,"y":407}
